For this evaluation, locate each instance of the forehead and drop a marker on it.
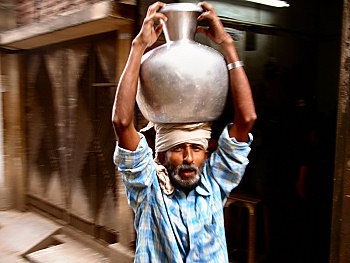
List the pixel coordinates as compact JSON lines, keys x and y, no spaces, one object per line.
{"x":187,"y":144}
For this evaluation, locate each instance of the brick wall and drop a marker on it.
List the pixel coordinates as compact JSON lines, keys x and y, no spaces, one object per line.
{"x":30,"y":11}
{"x":7,"y":14}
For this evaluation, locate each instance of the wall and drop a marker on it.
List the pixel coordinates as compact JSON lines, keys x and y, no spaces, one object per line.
{"x":35,"y":11}
{"x":13,"y":178}
{"x":7,"y":21}
{"x":56,"y":86}
{"x":294,"y":73}
{"x":7,"y":15}
{"x":340,"y":249}
{"x":4,"y":190}
{"x":31,"y":11}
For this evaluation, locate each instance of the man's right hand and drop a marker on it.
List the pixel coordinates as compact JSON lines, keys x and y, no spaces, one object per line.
{"x":148,"y":33}
{"x":124,"y":102}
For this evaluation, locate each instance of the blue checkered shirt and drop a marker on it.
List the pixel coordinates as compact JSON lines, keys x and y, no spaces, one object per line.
{"x":176,"y":228}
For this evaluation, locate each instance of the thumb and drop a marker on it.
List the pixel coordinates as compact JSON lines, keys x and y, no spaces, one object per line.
{"x":159,"y":29}
{"x":202,"y":31}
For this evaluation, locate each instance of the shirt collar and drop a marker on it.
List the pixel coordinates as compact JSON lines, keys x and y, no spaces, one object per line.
{"x":203,"y":188}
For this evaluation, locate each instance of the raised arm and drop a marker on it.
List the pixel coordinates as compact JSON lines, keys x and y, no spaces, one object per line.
{"x":245,"y":115}
{"x":124,"y":102}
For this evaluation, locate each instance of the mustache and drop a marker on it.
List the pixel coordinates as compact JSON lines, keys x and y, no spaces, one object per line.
{"x":187,"y":167}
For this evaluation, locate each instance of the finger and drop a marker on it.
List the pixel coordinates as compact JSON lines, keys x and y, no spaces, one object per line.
{"x":205,"y":15}
{"x":153,"y":18}
{"x":159,"y":29}
{"x":202,"y":30}
{"x":206,"y":6}
{"x":155,"y":7}
{"x":158,"y":16}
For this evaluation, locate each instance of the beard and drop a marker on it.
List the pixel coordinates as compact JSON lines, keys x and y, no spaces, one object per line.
{"x":185,"y":185}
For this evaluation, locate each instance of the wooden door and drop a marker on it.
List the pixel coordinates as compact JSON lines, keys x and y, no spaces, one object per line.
{"x":69,"y":95}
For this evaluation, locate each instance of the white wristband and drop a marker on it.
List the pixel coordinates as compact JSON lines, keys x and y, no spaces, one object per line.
{"x":234,"y":65}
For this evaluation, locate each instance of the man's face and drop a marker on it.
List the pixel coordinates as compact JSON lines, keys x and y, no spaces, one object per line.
{"x":185,"y":164}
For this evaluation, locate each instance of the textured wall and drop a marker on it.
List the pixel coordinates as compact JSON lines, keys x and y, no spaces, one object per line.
{"x":340,"y":248}
{"x":14,"y":148}
{"x":4,"y":185}
{"x":7,"y":14}
{"x":29,"y":11}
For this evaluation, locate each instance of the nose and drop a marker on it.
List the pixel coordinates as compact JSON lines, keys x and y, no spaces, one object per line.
{"x":188,"y":157}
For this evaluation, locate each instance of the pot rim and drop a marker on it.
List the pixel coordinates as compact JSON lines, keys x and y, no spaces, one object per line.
{"x":181,"y":7}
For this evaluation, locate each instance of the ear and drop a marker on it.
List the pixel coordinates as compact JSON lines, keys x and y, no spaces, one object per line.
{"x":161,"y":157}
{"x":206,"y":155}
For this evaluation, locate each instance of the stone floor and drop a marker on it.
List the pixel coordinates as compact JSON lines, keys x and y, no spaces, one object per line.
{"x":29,"y":237}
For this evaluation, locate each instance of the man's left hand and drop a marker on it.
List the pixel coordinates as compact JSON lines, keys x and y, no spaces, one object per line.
{"x":216,"y":31}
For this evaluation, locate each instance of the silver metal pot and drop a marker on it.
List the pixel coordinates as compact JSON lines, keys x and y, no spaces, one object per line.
{"x":182,"y":81}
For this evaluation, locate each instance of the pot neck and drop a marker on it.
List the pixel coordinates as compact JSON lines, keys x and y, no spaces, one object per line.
{"x":181,"y":25}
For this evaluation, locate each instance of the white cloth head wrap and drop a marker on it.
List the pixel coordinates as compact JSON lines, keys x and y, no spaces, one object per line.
{"x":170,"y":135}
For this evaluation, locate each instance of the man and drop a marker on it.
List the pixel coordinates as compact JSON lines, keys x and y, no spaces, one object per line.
{"x":178,"y":198}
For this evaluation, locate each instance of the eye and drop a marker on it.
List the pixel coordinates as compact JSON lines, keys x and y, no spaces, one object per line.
{"x":176,"y":149}
{"x":197,"y":147}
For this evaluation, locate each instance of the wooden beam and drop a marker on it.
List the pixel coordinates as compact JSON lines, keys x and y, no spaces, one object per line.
{"x":340,"y":237}
{"x":14,"y":128}
{"x":101,"y":17}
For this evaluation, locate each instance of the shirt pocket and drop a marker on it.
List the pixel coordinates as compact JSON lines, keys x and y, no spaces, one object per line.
{"x":209,"y":242}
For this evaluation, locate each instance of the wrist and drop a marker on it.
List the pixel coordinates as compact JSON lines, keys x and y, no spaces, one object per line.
{"x":227,"y":44}
{"x":138,"y":44}
{"x":227,"y":40}
{"x":229,"y":50}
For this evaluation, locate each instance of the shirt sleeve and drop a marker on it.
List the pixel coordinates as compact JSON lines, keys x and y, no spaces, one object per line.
{"x":137,"y":169}
{"x":227,"y":164}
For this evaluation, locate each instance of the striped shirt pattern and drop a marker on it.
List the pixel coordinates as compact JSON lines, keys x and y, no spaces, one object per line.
{"x":176,"y":227}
